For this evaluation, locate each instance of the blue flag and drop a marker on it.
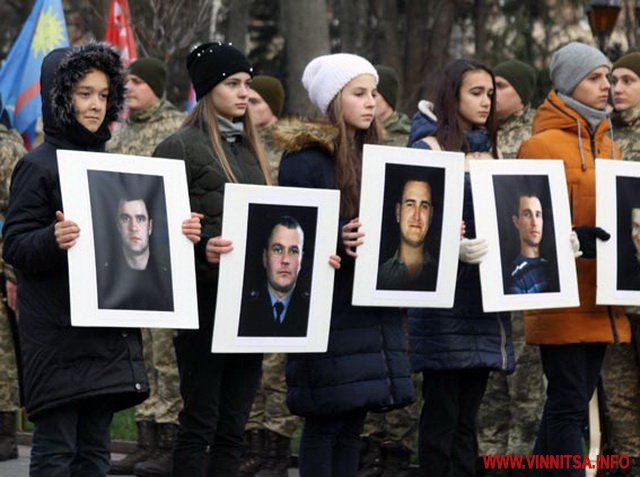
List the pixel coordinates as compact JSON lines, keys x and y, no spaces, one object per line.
{"x":44,"y":30}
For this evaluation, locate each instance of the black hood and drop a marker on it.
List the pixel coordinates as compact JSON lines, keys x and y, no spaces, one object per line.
{"x":61,"y":70}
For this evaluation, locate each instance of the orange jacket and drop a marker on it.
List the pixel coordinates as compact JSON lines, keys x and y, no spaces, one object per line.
{"x":561,"y":133}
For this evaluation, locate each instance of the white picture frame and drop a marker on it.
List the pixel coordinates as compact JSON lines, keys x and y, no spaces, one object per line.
{"x":495,"y":186}
{"x":91,"y":184}
{"x":617,"y":194}
{"x":386,"y":171}
{"x":250,"y":214}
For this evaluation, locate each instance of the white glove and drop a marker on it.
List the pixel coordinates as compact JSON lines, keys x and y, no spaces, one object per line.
{"x":473,"y":250}
{"x":575,"y":245}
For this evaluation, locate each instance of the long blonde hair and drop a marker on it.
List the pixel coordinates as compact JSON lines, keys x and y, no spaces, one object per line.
{"x":348,"y":156}
{"x":204,"y":113}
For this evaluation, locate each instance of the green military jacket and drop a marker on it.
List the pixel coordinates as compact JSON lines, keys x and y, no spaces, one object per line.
{"x":144,"y":130}
{"x":513,"y":130}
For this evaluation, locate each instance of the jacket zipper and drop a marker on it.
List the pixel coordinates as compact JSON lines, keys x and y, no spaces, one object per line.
{"x":386,"y":366}
{"x":614,"y":330}
{"x":503,"y":343}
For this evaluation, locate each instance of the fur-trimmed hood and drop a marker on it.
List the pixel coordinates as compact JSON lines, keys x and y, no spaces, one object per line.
{"x":292,"y":135}
{"x":61,"y":70}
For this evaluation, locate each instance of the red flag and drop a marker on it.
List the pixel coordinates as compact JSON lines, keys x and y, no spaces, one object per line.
{"x":119,"y":32}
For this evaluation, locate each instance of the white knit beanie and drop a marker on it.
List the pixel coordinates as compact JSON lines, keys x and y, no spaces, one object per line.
{"x":326,"y":75}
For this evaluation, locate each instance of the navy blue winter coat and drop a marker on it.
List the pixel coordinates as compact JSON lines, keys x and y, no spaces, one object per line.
{"x":366,"y":365}
{"x":463,"y":337}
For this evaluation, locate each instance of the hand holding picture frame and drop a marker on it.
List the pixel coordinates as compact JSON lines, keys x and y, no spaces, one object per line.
{"x":618,"y":212}
{"x":275,"y":287}
{"x":411,"y":211}
{"x":131,"y":266}
{"x":522,"y":209}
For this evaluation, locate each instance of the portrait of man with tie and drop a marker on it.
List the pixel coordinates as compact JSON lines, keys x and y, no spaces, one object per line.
{"x":278,"y":307}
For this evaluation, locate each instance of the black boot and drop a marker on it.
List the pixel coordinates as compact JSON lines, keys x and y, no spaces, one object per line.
{"x":146,"y":445}
{"x":252,"y":459}
{"x":160,"y":463}
{"x":396,"y":461}
{"x":8,"y":444}
{"x":275,"y":459}
{"x":371,"y":458}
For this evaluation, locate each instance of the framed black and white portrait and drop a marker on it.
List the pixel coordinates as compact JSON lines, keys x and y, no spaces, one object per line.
{"x":618,"y":212}
{"x":131,"y":266}
{"x":410,"y":209}
{"x":521,"y":207}
{"x":276,"y":285}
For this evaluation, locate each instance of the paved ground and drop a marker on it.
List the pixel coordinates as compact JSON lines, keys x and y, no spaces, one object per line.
{"x":20,"y":467}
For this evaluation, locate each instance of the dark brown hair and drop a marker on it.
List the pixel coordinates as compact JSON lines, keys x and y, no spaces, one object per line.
{"x":449,"y":132}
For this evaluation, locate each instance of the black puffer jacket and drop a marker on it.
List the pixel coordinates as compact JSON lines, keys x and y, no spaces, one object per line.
{"x":366,"y":364}
{"x":206,"y":180}
{"x":63,"y":364}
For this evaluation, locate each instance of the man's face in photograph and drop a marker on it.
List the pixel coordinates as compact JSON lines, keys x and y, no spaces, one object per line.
{"x":528,"y":222}
{"x":283,"y":257}
{"x":134,"y":225}
{"x":635,"y":228}
{"x":414,"y":213}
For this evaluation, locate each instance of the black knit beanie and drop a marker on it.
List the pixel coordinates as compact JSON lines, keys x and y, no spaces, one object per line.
{"x":388,"y":84}
{"x":152,"y":71}
{"x":520,"y":75}
{"x":210,"y":63}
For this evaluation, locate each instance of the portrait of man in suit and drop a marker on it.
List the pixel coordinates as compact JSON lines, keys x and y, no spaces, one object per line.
{"x":278,"y":307}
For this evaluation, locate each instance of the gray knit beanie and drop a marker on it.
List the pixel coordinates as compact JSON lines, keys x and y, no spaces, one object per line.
{"x":571,"y":63}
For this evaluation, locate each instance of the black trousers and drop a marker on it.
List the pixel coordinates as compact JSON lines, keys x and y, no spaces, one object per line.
{"x":573,"y":372}
{"x":447,"y":441}
{"x":217,"y":390}
{"x":73,"y":440}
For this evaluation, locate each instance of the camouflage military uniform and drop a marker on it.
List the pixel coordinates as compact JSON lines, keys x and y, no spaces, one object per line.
{"x":510,"y":412}
{"x":396,"y":129}
{"x":269,"y":410}
{"x":140,"y":135}
{"x":11,"y":149}
{"x":272,"y":155}
{"x":621,"y":369}
{"x":513,"y":130}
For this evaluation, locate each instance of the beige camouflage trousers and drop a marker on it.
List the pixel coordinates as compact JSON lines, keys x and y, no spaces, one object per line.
{"x":164,"y":402}
{"x":269,"y":410}
{"x":9,"y":397}
{"x":399,"y":427}
{"x":621,"y":379}
{"x":509,"y":416}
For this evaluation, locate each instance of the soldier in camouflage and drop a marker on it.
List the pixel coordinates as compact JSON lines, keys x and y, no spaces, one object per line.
{"x":396,"y":125}
{"x":621,"y":369}
{"x":509,"y":415}
{"x":11,"y":149}
{"x":389,"y":438}
{"x":152,"y":118}
{"x":271,"y":426}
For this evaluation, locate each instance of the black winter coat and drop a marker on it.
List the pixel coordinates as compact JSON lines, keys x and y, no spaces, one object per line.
{"x":462,"y":337}
{"x":366,"y":364}
{"x":61,"y":364}
{"x":206,"y":180}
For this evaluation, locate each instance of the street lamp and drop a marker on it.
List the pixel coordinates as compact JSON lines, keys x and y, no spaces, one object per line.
{"x":603,"y":15}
